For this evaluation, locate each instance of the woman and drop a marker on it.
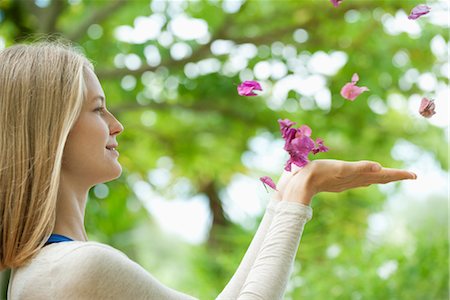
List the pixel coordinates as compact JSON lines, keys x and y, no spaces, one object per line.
{"x":58,"y":140}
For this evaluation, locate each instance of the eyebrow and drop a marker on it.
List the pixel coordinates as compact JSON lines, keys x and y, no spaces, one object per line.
{"x":101,"y":98}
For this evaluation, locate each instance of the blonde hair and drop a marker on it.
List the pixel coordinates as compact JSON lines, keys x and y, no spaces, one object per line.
{"x":42,"y":89}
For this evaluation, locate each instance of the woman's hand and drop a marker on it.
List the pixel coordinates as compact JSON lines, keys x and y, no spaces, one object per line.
{"x":283,"y":181}
{"x":324,"y":175}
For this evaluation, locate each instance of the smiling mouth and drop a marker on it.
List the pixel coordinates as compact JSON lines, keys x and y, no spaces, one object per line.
{"x":113,"y":150}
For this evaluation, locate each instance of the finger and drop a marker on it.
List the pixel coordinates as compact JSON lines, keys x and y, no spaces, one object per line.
{"x":384,"y":176}
{"x":365,"y":166}
{"x":388,"y":175}
{"x":399,"y":173}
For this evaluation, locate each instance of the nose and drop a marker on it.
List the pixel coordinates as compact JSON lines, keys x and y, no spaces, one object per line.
{"x":115,"y":127}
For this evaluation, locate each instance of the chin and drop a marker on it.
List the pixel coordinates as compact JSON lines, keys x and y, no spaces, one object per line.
{"x":112,"y":174}
{"x":117,"y":172}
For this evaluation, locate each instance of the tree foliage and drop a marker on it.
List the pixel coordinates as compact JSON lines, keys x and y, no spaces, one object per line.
{"x":186,"y":111}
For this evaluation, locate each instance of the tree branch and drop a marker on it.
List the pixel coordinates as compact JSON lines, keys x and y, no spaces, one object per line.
{"x":49,"y":16}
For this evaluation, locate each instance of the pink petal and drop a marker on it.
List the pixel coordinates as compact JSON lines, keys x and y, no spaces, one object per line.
{"x":267,"y":180}
{"x":350,"y":90}
{"x":336,"y":2}
{"x":301,"y":146}
{"x":347,"y":91}
{"x":427,"y":107}
{"x":289,"y":137}
{"x":305,"y":130}
{"x":247,"y":87}
{"x":419,"y":11}
{"x":285,"y":125}
{"x":355,"y":78}
{"x":320,"y":146}
{"x":353,"y":91}
{"x":299,"y":162}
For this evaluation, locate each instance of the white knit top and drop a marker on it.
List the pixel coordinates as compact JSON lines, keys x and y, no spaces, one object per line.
{"x":90,"y":270}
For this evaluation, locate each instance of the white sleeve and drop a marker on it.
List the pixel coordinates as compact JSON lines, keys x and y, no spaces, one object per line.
{"x":105,"y":273}
{"x":102,"y":272}
{"x":234,"y":286}
{"x":270,"y":272}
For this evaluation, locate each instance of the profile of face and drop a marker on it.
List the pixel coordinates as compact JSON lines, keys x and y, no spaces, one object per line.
{"x":89,"y":156}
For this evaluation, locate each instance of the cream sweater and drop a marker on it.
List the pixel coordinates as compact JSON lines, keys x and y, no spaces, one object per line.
{"x":90,"y":270}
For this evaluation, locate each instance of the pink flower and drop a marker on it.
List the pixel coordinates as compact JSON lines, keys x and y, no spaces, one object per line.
{"x":266,"y":180}
{"x":247,"y":87}
{"x":419,"y":11}
{"x":350,"y":90}
{"x":298,"y":143}
{"x":427,"y":107}
{"x":336,"y":2}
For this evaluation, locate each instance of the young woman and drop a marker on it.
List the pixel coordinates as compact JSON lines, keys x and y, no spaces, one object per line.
{"x":57,"y":140}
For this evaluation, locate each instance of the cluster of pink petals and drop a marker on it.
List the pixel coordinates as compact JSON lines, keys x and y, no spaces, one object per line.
{"x":350,"y":90}
{"x":427,"y":107}
{"x":419,"y":11}
{"x":247,"y":87}
{"x":336,"y":2}
{"x":298,"y":143}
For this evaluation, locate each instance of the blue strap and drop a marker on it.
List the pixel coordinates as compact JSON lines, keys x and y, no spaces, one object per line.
{"x":57,"y":238}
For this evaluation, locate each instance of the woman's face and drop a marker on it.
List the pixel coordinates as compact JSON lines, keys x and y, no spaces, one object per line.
{"x":89,"y":156}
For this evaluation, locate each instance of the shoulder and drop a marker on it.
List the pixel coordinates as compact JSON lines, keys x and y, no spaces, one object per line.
{"x":89,"y":257}
{"x":76,"y":270}
{"x":90,"y":270}
{"x":88,"y":249}
{"x":94,"y":270}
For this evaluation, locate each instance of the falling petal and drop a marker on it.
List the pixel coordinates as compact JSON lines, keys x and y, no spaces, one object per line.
{"x":266,"y":180}
{"x":304,"y":130}
{"x":247,"y":87}
{"x":419,"y":11}
{"x":427,"y":107}
{"x":350,"y":90}
{"x":320,"y":146}
{"x":285,"y":125}
{"x":336,"y":2}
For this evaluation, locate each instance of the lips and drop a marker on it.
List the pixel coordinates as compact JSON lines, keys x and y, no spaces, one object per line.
{"x":112,"y":146}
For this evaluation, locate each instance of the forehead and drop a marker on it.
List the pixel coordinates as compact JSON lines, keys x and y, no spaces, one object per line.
{"x":93,"y":87}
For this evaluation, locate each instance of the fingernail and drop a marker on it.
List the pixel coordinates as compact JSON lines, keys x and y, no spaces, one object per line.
{"x":376,"y":167}
{"x":413,"y":175}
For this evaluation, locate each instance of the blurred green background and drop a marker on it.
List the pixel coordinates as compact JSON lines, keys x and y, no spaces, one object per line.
{"x":189,"y":199}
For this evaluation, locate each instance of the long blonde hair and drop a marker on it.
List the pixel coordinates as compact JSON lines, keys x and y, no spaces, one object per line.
{"x":42,"y":89}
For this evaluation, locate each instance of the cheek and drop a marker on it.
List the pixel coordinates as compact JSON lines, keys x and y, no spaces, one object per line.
{"x":88,"y":138}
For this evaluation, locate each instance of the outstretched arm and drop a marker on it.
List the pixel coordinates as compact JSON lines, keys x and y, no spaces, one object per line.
{"x":103,"y":272}
{"x":270,"y":272}
{"x":234,"y":286}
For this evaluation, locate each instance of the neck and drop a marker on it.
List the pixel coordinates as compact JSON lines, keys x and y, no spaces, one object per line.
{"x":70,"y":209}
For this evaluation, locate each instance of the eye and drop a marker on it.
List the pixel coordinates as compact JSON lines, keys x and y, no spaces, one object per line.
{"x":100,"y":109}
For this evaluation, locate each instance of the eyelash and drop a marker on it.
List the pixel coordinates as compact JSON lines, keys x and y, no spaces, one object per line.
{"x":100,"y":109}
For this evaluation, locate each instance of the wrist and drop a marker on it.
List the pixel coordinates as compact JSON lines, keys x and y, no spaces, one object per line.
{"x":301,"y":191}
{"x":302,"y":198}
